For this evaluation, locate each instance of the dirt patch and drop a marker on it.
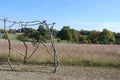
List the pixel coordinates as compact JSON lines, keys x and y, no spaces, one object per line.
{"x":36,"y":72}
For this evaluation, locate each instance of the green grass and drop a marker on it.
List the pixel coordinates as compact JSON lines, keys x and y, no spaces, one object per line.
{"x":17,"y":59}
{"x":99,"y":62}
{"x":3,"y":57}
{"x":14,"y":58}
{"x":13,"y":36}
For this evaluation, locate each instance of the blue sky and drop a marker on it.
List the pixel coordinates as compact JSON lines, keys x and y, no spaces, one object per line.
{"x":78,"y":14}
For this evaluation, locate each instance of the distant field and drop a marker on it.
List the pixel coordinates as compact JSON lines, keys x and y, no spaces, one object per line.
{"x":77,"y":62}
{"x":68,"y":54}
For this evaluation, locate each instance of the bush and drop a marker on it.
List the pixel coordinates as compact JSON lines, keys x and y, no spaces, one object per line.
{"x":59,"y":40}
{"x":22,"y":37}
{"x":85,"y":41}
{"x":4,"y":36}
{"x":12,"y":31}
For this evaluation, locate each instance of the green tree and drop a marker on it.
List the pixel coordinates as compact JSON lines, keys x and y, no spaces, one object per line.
{"x":55,"y":32}
{"x":42,"y":34}
{"x":117,"y":37}
{"x":12,"y":31}
{"x":65,"y":33}
{"x":28,"y":32}
{"x":83,"y":38}
{"x":107,"y":36}
{"x":42,"y":30}
{"x":94,"y":36}
{"x":75,"y":35}
{"x":32,"y":34}
{"x":84,"y":32}
{"x":2,"y":30}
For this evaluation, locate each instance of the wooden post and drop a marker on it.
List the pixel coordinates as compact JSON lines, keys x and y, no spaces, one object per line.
{"x":9,"y":43}
{"x":26,"y":47}
{"x":53,"y":46}
{"x":26,"y":57}
{"x":26,"y":52}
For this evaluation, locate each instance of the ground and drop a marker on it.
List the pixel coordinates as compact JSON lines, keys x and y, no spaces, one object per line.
{"x":37,"y":72}
{"x":72,"y":59}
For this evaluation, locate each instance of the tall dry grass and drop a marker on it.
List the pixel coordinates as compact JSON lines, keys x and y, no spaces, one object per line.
{"x":89,"y":55}
{"x":68,"y":54}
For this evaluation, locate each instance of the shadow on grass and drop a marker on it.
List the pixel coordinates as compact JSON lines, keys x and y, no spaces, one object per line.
{"x":41,"y":71}
{"x":42,"y":68}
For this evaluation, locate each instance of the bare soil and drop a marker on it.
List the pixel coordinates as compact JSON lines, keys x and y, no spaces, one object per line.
{"x":37,"y":72}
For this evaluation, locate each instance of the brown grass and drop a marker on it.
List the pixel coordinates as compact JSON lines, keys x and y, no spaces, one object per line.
{"x":70,"y":54}
{"x":37,"y":72}
{"x":75,"y":55}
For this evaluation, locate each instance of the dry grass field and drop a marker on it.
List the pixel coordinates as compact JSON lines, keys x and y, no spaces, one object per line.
{"x":33,"y":72}
{"x":77,"y":62}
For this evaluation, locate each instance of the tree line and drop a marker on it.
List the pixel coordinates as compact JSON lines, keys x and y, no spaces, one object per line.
{"x":67,"y":34}
{"x":89,"y":37}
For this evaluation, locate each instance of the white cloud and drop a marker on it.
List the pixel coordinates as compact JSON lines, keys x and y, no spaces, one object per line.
{"x":113,"y":26}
